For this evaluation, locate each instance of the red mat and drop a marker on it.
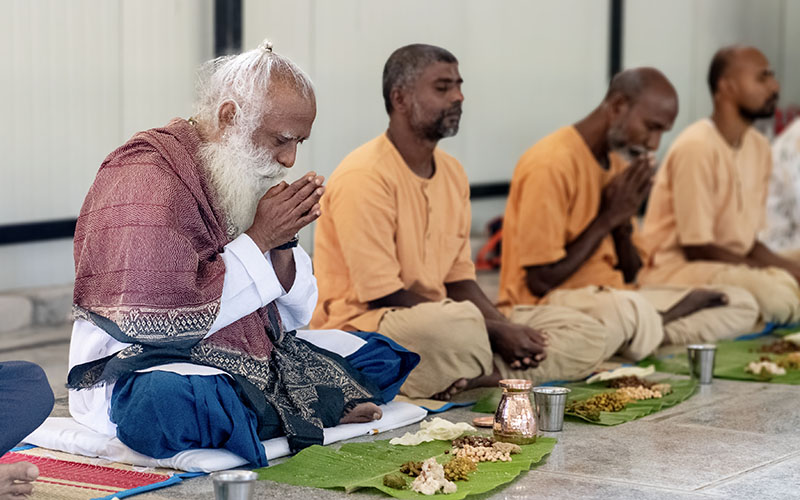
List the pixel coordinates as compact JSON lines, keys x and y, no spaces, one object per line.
{"x":63,"y":479}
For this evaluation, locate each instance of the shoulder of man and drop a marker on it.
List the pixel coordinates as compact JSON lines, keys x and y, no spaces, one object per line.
{"x":700,"y":136}
{"x":367,"y":164}
{"x":557,"y":150}
{"x":555,"y":155}
{"x":151,"y":168}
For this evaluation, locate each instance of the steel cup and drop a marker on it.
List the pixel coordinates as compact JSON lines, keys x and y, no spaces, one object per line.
{"x":550,"y":403}
{"x":701,"y":361}
{"x":233,"y":484}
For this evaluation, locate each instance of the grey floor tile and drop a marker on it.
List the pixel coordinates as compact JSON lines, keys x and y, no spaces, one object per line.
{"x":769,"y":409}
{"x":778,"y":481}
{"x":52,"y":358}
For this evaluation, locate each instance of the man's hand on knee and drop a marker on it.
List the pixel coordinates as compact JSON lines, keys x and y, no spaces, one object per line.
{"x":520,"y":346}
{"x":16,"y":479}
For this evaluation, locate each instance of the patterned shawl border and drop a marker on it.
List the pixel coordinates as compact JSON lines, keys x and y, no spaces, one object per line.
{"x":151,"y":326}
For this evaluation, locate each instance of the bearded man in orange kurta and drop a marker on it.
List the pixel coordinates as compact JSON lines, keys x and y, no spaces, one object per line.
{"x":568,"y":236}
{"x":709,"y":199}
{"x":392,"y":254}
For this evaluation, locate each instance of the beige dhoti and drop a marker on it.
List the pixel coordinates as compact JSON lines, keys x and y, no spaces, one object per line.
{"x":452,"y":342}
{"x":634,"y":323}
{"x":775,"y":290}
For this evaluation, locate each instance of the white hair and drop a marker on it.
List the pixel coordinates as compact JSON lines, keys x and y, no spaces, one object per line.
{"x":244,"y":80}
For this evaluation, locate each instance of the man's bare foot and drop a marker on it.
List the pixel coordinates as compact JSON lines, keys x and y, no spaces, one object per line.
{"x":456,"y":387}
{"x":363,"y":412}
{"x":16,"y":479}
{"x":693,"y":302}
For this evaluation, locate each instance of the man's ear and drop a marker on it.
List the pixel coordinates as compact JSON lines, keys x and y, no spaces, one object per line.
{"x":226,"y":114}
{"x":399,"y":99}
{"x":726,"y":86}
{"x":618,"y":104}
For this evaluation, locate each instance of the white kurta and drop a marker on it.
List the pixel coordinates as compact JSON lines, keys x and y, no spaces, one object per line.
{"x":782,"y":233}
{"x":250,"y":283}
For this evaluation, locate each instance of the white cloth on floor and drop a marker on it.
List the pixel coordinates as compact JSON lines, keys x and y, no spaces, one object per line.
{"x":67,"y":435}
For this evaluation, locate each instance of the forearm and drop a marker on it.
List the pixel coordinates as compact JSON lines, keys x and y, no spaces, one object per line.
{"x":717,"y":254}
{"x":284,"y":265}
{"x":469,"y":290}
{"x":400,"y":298}
{"x":762,"y":256}
{"x":496,"y":323}
{"x":628,"y":259}
{"x":542,"y":279}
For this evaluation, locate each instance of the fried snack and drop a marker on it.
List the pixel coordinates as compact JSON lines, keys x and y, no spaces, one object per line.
{"x":630,"y":381}
{"x":590,"y":408}
{"x":458,"y":469}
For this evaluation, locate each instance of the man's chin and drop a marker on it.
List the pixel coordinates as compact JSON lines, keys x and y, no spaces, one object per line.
{"x":269,"y":181}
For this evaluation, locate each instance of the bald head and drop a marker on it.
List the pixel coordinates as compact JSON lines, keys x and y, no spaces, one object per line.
{"x":640,"y":105}
{"x":741,"y":77}
{"x":633,"y":83}
{"x":725,"y":60}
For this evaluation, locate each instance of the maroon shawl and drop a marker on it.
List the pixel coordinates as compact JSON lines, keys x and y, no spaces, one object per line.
{"x":149,"y":273}
{"x":147,"y":247}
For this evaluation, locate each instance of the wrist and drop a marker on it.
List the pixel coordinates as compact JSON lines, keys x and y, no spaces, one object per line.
{"x":264,"y":244}
{"x":289,"y":244}
{"x":624,"y":229}
{"x":607,"y":221}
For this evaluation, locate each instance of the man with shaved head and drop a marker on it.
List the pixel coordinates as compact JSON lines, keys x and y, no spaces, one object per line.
{"x":709,"y":199}
{"x":190,"y":283}
{"x":568,"y":238}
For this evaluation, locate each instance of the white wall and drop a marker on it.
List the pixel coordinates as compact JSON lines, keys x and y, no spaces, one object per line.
{"x":790,"y":52}
{"x":681,"y":36}
{"x":80,"y":77}
{"x":528,"y":67}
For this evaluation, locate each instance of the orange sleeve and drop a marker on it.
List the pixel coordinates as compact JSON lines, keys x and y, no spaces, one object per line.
{"x":365,"y":217}
{"x":693,"y":181}
{"x":463,"y":268}
{"x":542,"y":215}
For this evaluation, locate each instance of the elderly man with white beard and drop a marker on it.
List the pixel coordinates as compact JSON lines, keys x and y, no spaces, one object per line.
{"x":190,"y":284}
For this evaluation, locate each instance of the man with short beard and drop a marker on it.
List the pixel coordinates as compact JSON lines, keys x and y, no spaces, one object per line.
{"x":709,"y":199}
{"x":189,"y":281}
{"x":392,"y":250}
{"x":568,"y":232}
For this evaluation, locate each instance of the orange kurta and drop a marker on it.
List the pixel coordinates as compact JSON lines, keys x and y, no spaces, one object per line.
{"x":383,"y":228}
{"x":706,"y":192}
{"x":556,"y":192}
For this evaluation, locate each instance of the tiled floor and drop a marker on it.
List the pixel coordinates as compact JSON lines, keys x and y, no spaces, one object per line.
{"x":731,"y":440}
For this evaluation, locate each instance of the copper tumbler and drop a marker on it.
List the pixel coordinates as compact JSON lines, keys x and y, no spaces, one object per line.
{"x":514,"y":420}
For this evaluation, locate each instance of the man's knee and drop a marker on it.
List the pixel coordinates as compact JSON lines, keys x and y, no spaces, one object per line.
{"x":443,"y":326}
{"x":161,"y":413}
{"x":741,"y":304}
{"x":30,"y":381}
{"x":775,"y":290}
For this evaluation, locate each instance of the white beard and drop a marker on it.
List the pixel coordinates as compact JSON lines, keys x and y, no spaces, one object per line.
{"x":239,"y":173}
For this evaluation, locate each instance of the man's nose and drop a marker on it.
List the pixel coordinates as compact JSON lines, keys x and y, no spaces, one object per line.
{"x":288,"y":157}
{"x":776,"y":86}
{"x":653,"y":140}
{"x":458,"y":96}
